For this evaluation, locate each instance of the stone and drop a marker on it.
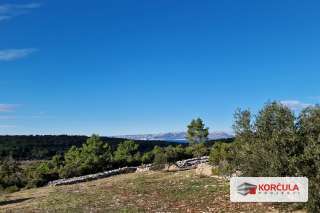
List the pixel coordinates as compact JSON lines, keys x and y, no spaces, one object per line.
{"x":193,"y":162}
{"x":204,"y":169}
{"x":92,"y":176}
{"x":180,"y":165}
{"x":171,"y":168}
{"x":144,"y":168}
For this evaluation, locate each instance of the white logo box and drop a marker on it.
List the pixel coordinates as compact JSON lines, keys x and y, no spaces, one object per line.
{"x":269,"y":189}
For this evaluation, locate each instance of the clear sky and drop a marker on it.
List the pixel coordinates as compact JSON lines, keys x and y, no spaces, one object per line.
{"x":121,"y":67}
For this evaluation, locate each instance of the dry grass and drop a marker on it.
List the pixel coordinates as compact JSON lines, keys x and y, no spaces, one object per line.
{"x":144,"y":192}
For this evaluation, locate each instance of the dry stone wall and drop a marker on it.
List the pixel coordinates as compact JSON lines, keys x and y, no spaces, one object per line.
{"x":182,"y":165}
{"x":192,"y":163}
{"x":144,"y":168}
{"x":178,"y":166}
{"x":92,"y":177}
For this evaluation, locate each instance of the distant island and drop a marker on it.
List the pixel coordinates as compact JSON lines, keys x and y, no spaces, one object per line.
{"x":174,"y":136}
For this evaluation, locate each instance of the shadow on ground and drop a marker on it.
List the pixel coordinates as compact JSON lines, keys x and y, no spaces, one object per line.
{"x":7,"y":202}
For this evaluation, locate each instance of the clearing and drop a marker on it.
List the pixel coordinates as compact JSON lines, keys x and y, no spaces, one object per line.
{"x":137,"y":192}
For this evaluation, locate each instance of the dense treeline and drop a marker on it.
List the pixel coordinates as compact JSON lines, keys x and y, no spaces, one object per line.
{"x":275,"y":143}
{"x":41,"y":147}
{"x":92,"y":157}
{"x":97,"y":154}
{"x":37,"y":147}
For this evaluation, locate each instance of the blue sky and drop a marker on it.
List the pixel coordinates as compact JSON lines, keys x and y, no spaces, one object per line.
{"x":123,"y":67}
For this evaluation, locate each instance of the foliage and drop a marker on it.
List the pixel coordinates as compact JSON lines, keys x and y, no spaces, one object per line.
{"x":269,"y":143}
{"x":44,"y":147}
{"x":197,"y":132}
{"x":219,"y":152}
{"x":41,"y":173}
{"x":92,"y":157}
{"x":73,"y":163}
{"x":96,"y":154}
{"x":168,"y":155}
{"x":37,"y":147}
{"x":11,"y":175}
{"x":147,"y":157}
{"x":307,"y":162}
{"x":197,"y":150}
{"x":222,"y":155}
{"x":127,"y":153}
{"x":175,"y":153}
{"x":160,"y":157}
{"x":276,"y":143}
{"x":243,"y":125}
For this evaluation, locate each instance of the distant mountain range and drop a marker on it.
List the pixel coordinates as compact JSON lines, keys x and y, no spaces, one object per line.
{"x":173,"y":136}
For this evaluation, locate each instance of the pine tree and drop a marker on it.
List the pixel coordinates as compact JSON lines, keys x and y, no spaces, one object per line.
{"x":197,"y":132}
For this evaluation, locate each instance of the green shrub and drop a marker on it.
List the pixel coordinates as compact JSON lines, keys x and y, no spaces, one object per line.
{"x":215,"y":171}
{"x":222,"y":156}
{"x":219,"y":152}
{"x":41,"y":173}
{"x":160,"y":158}
{"x":94,"y":156}
{"x":278,"y":144}
{"x":127,"y":154}
{"x":11,"y":175}
{"x":269,"y":143}
{"x":306,"y":162}
{"x":11,"y":189}
{"x":147,"y":157}
{"x":198,"y":150}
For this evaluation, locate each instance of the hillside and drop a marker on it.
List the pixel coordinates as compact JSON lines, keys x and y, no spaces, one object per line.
{"x":42,"y":147}
{"x":39,"y":147}
{"x":174,"y":136}
{"x":136,"y":192}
